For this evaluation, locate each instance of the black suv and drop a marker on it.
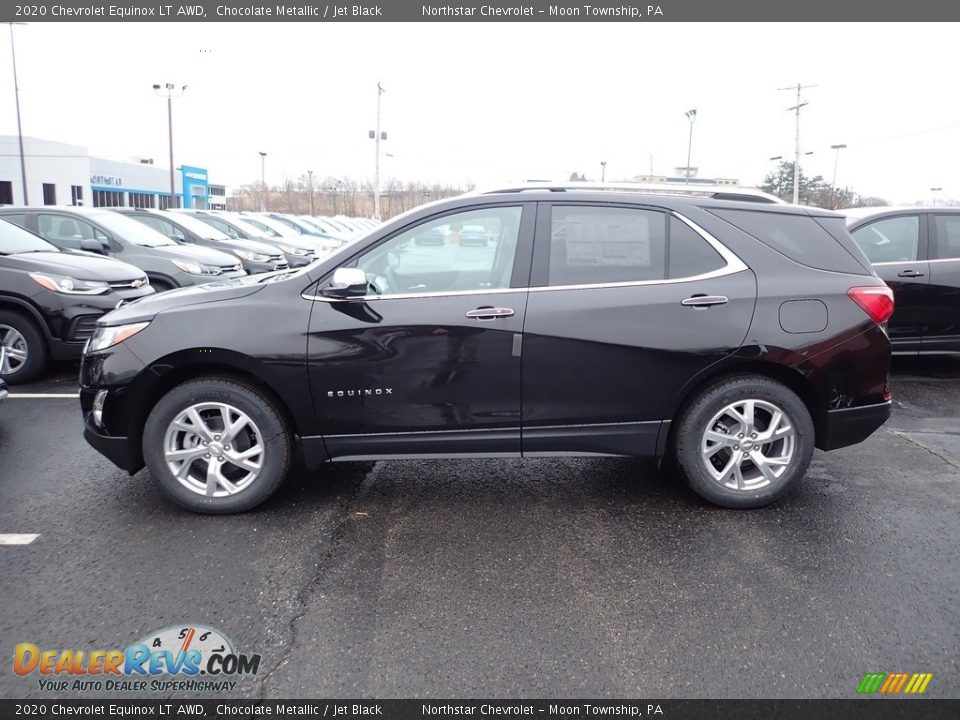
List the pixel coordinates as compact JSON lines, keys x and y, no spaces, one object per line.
{"x":50,"y":300}
{"x":732,"y":337}
{"x":916,"y":250}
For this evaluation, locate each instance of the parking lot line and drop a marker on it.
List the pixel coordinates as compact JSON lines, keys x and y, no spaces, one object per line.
{"x":18,"y":538}
{"x":38,"y":396}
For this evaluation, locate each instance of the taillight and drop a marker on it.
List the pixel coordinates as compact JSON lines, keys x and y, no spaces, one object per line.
{"x":875,"y":300}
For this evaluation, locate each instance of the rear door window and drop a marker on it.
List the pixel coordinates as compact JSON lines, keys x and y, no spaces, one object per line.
{"x":892,"y":239}
{"x":601,"y":245}
{"x":947,"y":245}
{"x":689,"y":254}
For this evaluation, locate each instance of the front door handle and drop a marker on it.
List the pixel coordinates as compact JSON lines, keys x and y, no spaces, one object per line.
{"x":489,"y":313}
{"x":703,"y":301}
{"x":909,"y":273}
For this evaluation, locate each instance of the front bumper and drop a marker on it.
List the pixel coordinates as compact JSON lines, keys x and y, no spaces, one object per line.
{"x":849,"y":426}
{"x":116,"y":449}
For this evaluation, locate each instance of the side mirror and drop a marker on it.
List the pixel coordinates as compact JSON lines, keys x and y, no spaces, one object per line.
{"x":91,"y":245}
{"x":347,"y":282}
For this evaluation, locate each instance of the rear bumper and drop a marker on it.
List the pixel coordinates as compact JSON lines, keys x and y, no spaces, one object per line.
{"x":849,"y":426}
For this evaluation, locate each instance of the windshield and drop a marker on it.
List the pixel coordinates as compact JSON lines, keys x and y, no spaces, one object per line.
{"x":198,"y":227}
{"x":14,"y":239}
{"x":250,"y":228}
{"x":273,"y":228}
{"x":132,"y":231}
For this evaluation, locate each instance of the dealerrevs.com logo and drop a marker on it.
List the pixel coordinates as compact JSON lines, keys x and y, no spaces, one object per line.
{"x":180,"y":658}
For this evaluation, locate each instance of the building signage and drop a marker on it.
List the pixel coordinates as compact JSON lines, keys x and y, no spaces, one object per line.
{"x":106,"y":180}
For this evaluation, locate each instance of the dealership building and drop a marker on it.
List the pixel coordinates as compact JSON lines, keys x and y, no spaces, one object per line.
{"x":63,"y":174}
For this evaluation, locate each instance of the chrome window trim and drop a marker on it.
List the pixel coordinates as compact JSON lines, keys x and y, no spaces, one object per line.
{"x":899,"y":262}
{"x":733,"y":266}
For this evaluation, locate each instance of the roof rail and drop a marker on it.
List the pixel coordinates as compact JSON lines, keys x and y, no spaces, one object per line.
{"x":719,"y":192}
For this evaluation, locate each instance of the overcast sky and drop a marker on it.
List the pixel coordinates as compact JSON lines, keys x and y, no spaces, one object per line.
{"x":498,"y":102}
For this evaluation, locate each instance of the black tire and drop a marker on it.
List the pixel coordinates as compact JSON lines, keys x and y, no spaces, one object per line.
{"x":697,"y":419}
{"x":266,"y":417}
{"x":38,"y":354}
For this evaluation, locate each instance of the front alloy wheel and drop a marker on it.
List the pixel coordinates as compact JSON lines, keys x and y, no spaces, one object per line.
{"x":214,"y":449}
{"x":15,"y":350}
{"x":217,"y":445}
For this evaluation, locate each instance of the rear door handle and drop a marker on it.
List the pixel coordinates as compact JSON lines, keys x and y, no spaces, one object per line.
{"x":489,"y":313}
{"x":909,"y":273}
{"x":701,"y":301}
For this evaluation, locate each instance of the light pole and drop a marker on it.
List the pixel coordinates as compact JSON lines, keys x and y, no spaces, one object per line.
{"x":796,"y":161}
{"x":833,"y":185}
{"x":263,"y":182}
{"x":171,"y":92}
{"x":310,"y":176}
{"x":603,"y":170}
{"x":933,"y":192}
{"x":16,"y":94}
{"x":691,"y":116}
{"x":377,"y":136}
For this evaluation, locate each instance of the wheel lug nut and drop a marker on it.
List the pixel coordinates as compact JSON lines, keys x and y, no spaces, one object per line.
{"x":736,"y":447}
{"x":740,"y":435}
{"x":753,"y":435}
{"x":226,"y":447}
{"x":207,"y":456}
{"x":216,"y":437}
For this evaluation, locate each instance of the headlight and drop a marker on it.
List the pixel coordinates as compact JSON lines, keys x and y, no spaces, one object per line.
{"x":291,"y":250}
{"x":69,"y":285}
{"x":250,"y":255}
{"x":106,"y":337}
{"x":196,"y":268}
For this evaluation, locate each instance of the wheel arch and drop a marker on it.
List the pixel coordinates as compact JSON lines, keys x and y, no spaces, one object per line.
{"x":29,"y":311}
{"x":169,"y":372}
{"x":788,"y":376}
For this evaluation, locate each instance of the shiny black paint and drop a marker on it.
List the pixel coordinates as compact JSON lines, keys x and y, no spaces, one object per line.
{"x":590,"y":370}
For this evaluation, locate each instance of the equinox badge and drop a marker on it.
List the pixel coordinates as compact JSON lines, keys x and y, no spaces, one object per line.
{"x":360,"y":392}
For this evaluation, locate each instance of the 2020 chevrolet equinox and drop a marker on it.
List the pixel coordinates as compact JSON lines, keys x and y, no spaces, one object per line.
{"x":730,"y":336}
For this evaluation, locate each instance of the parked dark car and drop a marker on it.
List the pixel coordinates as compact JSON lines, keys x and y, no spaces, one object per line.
{"x":429,"y":237}
{"x":50,"y":300}
{"x":167,"y":264}
{"x":253,"y":257}
{"x":916,"y":250}
{"x":473,"y":235}
{"x":732,"y":337}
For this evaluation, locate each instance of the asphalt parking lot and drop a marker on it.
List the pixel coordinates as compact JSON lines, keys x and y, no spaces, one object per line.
{"x":545,"y":578}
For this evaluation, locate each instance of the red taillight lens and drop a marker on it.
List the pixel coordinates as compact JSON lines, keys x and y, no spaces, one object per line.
{"x":876,"y":301}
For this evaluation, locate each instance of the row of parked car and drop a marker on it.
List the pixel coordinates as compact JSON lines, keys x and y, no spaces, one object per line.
{"x":62,"y":268}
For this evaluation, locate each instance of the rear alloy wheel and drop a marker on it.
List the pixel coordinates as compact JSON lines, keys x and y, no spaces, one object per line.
{"x":745,"y":442}
{"x":25,"y":350}
{"x":217,"y":445}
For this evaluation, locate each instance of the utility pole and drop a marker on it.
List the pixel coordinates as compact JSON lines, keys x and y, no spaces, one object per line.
{"x":16,"y":94}
{"x":171,"y":91}
{"x":310,"y":175}
{"x":691,"y":116}
{"x":377,"y":137}
{"x":796,"y":160}
{"x":263,"y":182}
{"x":834,"y":200}
{"x":603,"y":171}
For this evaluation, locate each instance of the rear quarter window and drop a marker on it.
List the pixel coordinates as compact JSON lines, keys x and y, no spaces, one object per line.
{"x":800,"y":237}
